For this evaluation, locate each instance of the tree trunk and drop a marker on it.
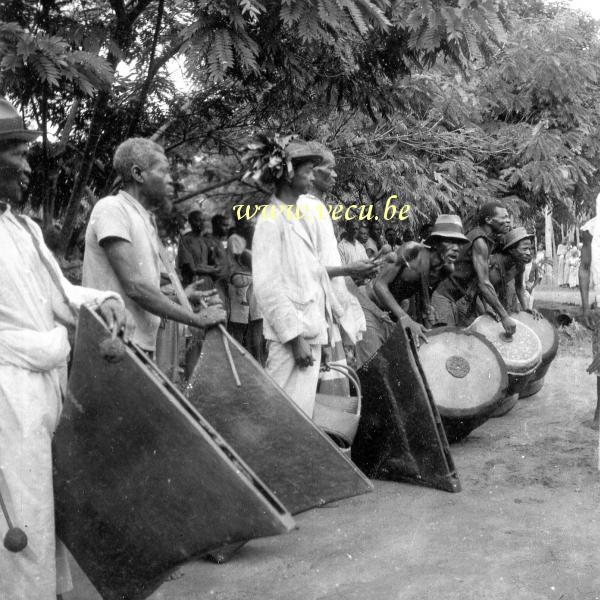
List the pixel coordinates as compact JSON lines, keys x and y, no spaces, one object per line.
{"x":85,"y":169}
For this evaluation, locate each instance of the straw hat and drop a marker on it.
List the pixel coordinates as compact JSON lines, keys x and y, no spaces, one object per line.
{"x":514,"y":236}
{"x":450,"y":227}
{"x":12,"y":126}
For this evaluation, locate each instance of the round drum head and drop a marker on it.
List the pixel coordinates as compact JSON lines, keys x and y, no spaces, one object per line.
{"x":522,"y":353}
{"x":544,"y":330}
{"x":464,"y":372}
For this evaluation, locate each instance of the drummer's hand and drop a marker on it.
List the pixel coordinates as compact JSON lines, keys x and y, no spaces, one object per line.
{"x":510,"y":325}
{"x":196,"y":295}
{"x":362,"y":268}
{"x":117,"y":317}
{"x":418,"y":332}
{"x":325,"y":355}
{"x":302,"y":352}
{"x":210,"y":316}
{"x":536,"y":314}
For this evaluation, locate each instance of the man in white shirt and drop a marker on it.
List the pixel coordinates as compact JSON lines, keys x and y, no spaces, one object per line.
{"x":292,"y":288}
{"x":122,"y":249}
{"x":36,"y":302}
{"x":350,"y":326}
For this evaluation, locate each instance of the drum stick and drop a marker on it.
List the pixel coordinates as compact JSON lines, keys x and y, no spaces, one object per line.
{"x":225,"y":335}
{"x":5,"y":511}
{"x":184,"y":301}
{"x":15,"y":539}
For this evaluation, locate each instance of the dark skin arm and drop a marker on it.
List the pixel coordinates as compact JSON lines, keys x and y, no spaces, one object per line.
{"x":584,"y":278}
{"x":124,"y":263}
{"x":382,"y":290}
{"x":486,"y":289}
{"x":359,"y":268}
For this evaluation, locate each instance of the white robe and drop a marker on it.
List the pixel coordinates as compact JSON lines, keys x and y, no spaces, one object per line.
{"x":33,"y":354}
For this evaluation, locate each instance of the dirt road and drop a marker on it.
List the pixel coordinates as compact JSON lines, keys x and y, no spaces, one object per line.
{"x":525,"y":527}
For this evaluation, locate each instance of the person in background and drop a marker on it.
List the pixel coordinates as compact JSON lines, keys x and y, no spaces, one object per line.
{"x":392,"y":238}
{"x":36,"y":304}
{"x":573,"y":262}
{"x":216,"y":241}
{"x":351,"y":250}
{"x":193,"y":255}
{"x":363,"y":235}
{"x":122,"y":248}
{"x":561,"y":251}
{"x":376,"y":240}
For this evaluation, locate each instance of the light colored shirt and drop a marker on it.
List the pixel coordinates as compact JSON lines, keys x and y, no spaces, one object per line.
{"x":288,"y":279}
{"x":371,"y":244}
{"x":352,"y":251}
{"x":320,"y":227}
{"x":123,"y":217}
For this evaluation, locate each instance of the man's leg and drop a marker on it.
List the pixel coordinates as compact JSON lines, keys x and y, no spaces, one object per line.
{"x":299,"y":383}
{"x":594,"y":423}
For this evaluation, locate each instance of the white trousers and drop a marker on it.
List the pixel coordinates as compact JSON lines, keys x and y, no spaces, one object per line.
{"x":299,"y":383}
{"x":30,"y":405}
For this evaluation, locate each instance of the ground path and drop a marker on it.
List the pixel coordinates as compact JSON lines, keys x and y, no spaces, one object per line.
{"x":525,"y":527}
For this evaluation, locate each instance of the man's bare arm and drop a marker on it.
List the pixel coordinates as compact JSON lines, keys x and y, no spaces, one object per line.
{"x":480,"y":264}
{"x":124,"y":263}
{"x":584,"y":275}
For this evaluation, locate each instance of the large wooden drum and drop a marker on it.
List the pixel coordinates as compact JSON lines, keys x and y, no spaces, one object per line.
{"x":466,"y":376}
{"x":142,"y":482}
{"x":549,"y":338}
{"x":522,"y":355}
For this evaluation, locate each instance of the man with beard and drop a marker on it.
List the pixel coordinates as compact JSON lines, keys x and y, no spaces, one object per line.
{"x":122,"y":248}
{"x":35,"y":305}
{"x":350,"y":325}
{"x":507,"y":269}
{"x":417,"y":269}
{"x":454,"y":300}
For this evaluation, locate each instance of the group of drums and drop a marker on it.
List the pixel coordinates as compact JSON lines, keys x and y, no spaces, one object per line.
{"x":478,"y":372}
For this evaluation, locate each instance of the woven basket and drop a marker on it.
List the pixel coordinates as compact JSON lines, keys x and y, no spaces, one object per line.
{"x":338,"y":416}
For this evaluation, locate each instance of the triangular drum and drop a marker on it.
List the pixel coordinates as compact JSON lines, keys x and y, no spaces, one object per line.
{"x":400,"y":436}
{"x":285,"y":448}
{"x":142,"y":482}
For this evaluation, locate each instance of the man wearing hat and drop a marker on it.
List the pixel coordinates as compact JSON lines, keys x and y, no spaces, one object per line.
{"x":35,"y":304}
{"x":454,"y":300}
{"x":417,"y":269}
{"x":507,"y":268}
{"x":292,"y":288}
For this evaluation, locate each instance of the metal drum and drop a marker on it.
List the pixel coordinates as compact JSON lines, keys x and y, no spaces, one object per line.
{"x":548,"y":335}
{"x":522,"y":355}
{"x":467,"y":378}
{"x":142,"y":482}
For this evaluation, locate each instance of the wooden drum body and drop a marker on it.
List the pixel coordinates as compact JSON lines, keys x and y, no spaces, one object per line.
{"x":522,"y":355}
{"x":549,"y":338}
{"x":142,"y":482}
{"x":467,"y":378}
